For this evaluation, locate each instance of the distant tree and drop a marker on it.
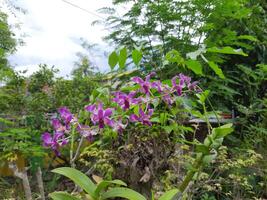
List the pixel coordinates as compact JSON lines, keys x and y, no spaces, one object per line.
{"x":7,"y":46}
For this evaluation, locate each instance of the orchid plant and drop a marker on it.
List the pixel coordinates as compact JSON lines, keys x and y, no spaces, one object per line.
{"x":137,"y":107}
{"x":122,"y":114}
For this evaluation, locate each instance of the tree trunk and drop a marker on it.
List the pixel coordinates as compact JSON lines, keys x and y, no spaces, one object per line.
{"x":40,"y":182}
{"x":24,"y":177}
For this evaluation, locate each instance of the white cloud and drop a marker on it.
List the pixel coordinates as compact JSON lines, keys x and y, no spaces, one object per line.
{"x":53,"y":28}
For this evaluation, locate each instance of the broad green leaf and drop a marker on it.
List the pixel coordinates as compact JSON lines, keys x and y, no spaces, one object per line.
{"x":222,"y":131}
{"x":78,"y":178}
{"x":201,"y":148}
{"x":113,"y":60}
{"x":174,"y":56}
{"x":248,"y":37}
{"x":208,"y":140}
{"x":122,"y":58}
{"x":104,"y":184}
{"x":62,"y":196}
{"x":226,"y":50}
{"x":169,"y":195}
{"x":123,"y":193}
{"x":136,"y":56}
{"x":216,"y":69}
{"x":195,"y":66}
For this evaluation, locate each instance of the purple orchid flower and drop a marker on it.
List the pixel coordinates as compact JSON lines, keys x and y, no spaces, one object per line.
{"x":57,"y":125}
{"x":193,"y":86}
{"x":66,"y":115}
{"x":55,"y":141}
{"x":86,"y":132}
{"x":143,"y":117}
{"x":145,"y":84}
{"x":125,"y":100}
{"x":157,"y":85}
{"x":177,"y":87}
{"x":99,"y":115}
{"x":119,"y":126}
{"x":183,"y":82}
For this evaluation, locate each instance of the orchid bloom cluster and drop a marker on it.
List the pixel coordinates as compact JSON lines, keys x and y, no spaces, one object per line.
{"x":101,"y":117}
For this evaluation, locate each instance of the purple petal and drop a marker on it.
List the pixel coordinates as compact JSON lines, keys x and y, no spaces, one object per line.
{"x":141,"y":113}
{"x":132,"y":94}
{"x":137,"y":79}
{"x":174,"y":84}
{"x":57,"y":135}
{"x":148,"y":77}
{"x":90,"y":108}
{"x":47,"y":139}
{"x":150,"y":112}
{"x":56,"y":124}
{"x":134,"y":118}
{"x":109,"y":122}
{"x":108,"y":112}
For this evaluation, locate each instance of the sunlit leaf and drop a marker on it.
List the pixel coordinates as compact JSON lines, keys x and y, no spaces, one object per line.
{"x":104,"y":184}
{"x":78,"y":178}
{"x":136,"y":56}
{"x":226,"y":50}
{"x":113,"y":60}
{"x":122,"y":193}
{"x":248,"y":37}
{"x":122,"y":57}
{"x":216,"y":69}
{"x":169,"y":195}
{"x":62,"y":196}
{"x":195,"y":66}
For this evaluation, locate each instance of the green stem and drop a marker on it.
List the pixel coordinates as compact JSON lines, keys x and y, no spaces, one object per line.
{"x":190,"y":174}
{"x":206,"y":118}
{"x":72,"y":145}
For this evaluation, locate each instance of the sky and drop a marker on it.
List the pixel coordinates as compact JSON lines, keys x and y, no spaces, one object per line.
{"x":52,"y":30}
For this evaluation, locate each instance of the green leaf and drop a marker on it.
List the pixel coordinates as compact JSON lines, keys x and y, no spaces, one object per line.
{"x":123,"y":193}
{"x":113,"y":60}
{"x":227,"y":50}
{"x":5,"y":121}
{"x":195,"y":66}
{"x":216,"y":69}
{"x":174,"y":56}
{"x":169,"y":194}
{"x":136,"y":56}
{"x":201,"y":148}
{"x":2,"y":52}
{"x":203,"y":96}
{"x":78,"y":178}
{"x":168,"y":129}
{"x":62,"y":196}
{"x":155,"y":119}
{"x":104,"y":184}
{"x":248,"y":37}
{"x":122,"y":58}
{"x":222,"y":131}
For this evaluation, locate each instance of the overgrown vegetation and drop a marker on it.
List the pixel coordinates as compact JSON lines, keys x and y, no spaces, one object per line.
{"x":163,"y":137}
